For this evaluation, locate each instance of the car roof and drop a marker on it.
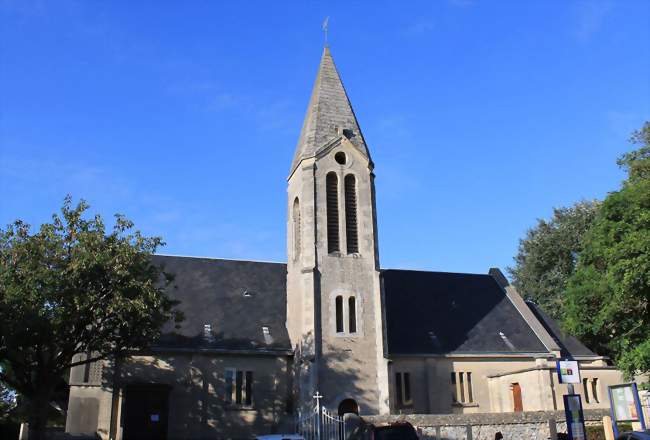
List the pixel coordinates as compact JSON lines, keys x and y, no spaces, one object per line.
{"x":280,"y":436}
{"x":642,"y":435}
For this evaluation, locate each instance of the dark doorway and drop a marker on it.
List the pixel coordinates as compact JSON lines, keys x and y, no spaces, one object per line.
{"x":146,"y":409}
{"x":516,"y":397}
{"x":348,"y":406}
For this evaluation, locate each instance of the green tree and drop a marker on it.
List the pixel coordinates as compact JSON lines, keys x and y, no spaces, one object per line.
{"x":608,"y":296}
{"x":7,"y":402}
{"x":73,"y":288}
{"x":547,"y":255}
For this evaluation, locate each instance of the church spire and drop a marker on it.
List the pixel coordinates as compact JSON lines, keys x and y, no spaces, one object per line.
{"x":329,"y":115}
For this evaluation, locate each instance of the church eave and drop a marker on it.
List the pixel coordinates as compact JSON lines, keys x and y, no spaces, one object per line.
{"x":257,"y":351}
{"x":478,"y":354}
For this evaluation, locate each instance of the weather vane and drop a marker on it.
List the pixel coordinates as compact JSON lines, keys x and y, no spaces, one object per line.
{"x":325,"y":27}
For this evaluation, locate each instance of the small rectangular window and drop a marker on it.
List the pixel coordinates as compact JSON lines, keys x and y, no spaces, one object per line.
{"x":594,"y":389}
{"x":461,"y":381}
{"x":454,"y":390}
{"x":239,"y":387}
{"x":585,"y":389}
{"x":407,"y":388}
{"x":230,"y":386}
{"x":470,"y":391}
{"x":403,"y":389}
{"x":352,"y":314}
{"x":339,"y":314}
{"x":398,"y":388}
{"x":462,"y":390}
{"x":248,"y":399}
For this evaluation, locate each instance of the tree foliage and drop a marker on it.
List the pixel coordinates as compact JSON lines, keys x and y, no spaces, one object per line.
{"x":72,"y":288}
{"x":637,"y":162}
{"x":7,"y":402}
{"x":608,"y":296}
{"x":547,"y":255}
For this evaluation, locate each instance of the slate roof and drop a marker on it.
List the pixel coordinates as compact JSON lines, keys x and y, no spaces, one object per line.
{"x":237,"y":298}
{"x":426,"y":312}
{"x":569,"y":345}
{"x":444,"y":313}
{"x":329,"y":108}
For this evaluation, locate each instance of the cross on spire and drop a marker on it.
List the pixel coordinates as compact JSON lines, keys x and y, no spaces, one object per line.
{"x":326,"y":28}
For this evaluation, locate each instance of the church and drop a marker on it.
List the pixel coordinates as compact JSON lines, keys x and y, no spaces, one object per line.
{"x":260,"y":339}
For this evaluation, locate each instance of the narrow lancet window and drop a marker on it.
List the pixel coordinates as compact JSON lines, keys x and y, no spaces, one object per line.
{"x":351,"y":214}
{"x":332,"y":184}
{"x":352,"y":314}
{"x":339,"y":314}
{"x":296,"y":229}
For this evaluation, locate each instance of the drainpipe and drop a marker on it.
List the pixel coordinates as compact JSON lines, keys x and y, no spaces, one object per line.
{"x":115,"y":398}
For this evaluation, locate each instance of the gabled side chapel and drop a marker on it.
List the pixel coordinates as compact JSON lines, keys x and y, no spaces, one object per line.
{"x":259,"y":339}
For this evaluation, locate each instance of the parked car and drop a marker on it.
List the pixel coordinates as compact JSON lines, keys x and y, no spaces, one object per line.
{"x":394,"y":431}
{"x":636,"y":435}
{"x":280,"y":437}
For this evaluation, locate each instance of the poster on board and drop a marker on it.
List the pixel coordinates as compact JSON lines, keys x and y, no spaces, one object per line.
{"x":568,"y":371}
{"x":624,"y":403}
{"x":575,"y":421}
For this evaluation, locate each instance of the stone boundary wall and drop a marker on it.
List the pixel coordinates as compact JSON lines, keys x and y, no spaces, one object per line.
{"x":513,"y":426}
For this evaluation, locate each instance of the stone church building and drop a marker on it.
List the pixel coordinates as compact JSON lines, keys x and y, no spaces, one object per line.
{"x":259,"y":339}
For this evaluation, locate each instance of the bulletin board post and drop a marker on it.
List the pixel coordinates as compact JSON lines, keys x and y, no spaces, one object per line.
{"x":625,"y":405}
{"x":568,"y":372}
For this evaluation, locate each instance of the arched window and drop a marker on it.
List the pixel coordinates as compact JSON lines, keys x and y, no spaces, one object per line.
{"x":351,"y":214}
{"x":352,"y":314}
{"x":339,"y":314}
{"x":332,"y":188}
{"x":348,"y":406}
{"x":296,"y":229}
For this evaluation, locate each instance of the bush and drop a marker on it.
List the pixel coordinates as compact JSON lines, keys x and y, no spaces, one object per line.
{"x":596,"y":432}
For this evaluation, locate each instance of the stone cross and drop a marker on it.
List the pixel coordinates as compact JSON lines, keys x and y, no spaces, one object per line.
{"x":317,"y":397}
{"x":326,"y":27}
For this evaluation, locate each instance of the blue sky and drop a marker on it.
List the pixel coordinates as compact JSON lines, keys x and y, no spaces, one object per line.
{"x":480,"y":116}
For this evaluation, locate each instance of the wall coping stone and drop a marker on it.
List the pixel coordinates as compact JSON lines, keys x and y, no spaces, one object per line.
{"x":482,"y":418}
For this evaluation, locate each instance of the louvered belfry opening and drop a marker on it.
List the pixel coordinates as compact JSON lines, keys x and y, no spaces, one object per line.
{"x":332,"y":184}
{"x":351,"y":214}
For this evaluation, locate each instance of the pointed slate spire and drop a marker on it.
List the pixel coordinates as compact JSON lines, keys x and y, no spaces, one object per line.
{"x":329,"y":114}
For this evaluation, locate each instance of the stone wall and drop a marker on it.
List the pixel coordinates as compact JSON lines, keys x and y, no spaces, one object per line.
{"x":197,"y":408}
{"x":526,"y":425}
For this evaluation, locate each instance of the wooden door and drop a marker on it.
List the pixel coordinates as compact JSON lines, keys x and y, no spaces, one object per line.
{"x":145,"y":412}
{"x":516,"y":397}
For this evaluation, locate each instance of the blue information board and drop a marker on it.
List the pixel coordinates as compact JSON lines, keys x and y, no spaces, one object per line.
{"x":575,"y":420}
{"x":625,"y":404}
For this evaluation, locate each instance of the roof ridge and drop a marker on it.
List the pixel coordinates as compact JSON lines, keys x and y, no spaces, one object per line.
{"x":221,"y":259}
{"x":438,"y":271}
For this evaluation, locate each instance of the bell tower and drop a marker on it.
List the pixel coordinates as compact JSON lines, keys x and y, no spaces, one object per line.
{"x":334,"y":309}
